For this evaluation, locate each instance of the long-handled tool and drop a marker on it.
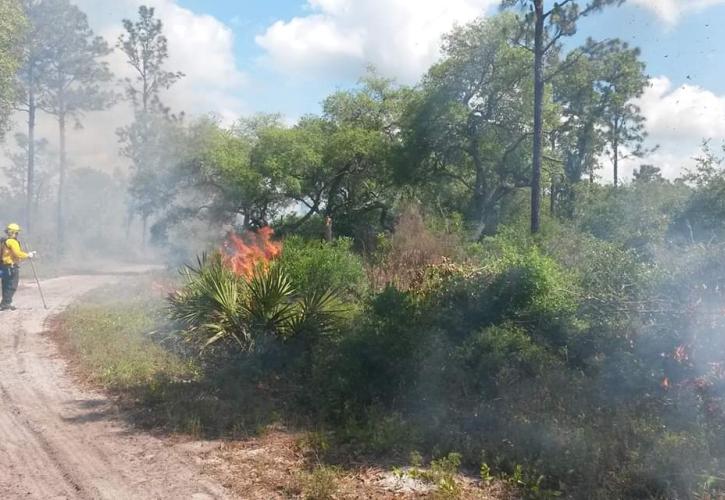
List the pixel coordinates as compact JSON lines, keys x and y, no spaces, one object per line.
{"x":37,"y":281}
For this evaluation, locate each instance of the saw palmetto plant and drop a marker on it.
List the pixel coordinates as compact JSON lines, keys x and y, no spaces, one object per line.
{"x":217,"y":305}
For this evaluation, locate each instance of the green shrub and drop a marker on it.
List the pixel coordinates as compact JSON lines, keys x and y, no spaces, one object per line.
{"x":499,"y":356}
{"x":533,"y":287}
{"x":318,"y":266}
{"x":321,"y":483}
{"x":539,"y":352}
{"x":575,"y":363}
{"x":379,"y":433}
{"x":637,"y":216}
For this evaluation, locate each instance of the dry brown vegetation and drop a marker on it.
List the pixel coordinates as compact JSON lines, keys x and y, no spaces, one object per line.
{"x":276,"y":466}
{"x":402,"y":258}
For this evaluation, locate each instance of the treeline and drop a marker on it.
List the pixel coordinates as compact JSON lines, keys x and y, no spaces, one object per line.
{"x":461,"y":141}
{"x":466,"y":139}
{"x":55,"y":66}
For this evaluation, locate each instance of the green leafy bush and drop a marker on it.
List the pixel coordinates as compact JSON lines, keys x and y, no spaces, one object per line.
{"x":548,"y":355}
{"x":574,"y":363}
{"x":317,"y":265}
{"x":636,"y":217}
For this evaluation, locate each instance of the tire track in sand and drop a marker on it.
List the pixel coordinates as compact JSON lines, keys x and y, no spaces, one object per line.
{"x":58,"y":441}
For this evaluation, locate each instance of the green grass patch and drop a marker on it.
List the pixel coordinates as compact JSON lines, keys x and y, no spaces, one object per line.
{"x":116,"y":348}
{"x":119,"y":338}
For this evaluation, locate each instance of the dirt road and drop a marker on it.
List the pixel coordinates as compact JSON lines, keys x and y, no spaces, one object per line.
{"x":58,"y":441}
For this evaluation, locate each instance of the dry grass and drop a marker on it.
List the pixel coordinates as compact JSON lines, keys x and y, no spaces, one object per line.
{"x":412,"y":248}
{"x":273,"y":466}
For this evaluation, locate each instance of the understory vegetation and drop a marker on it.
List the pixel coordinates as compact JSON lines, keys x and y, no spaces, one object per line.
{"x":565,"y":362}
{"x":436,"y":275}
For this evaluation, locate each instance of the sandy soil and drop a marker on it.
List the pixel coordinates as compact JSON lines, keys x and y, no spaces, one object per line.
{"x":58,"y":441}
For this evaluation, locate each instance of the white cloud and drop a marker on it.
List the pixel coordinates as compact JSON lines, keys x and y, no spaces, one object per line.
{"x":678,"y":119}
{"x":671,"y":11}
{"x":199,"y":45}
{"x":400,"y":37}
{"x":683,"y":112}
{"x":312,"y":44}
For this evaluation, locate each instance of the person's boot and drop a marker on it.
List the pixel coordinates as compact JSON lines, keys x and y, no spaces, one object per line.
{"x":7,"y":307}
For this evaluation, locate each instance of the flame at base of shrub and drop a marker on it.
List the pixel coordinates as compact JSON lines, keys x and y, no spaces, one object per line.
{"x":244,"y":253}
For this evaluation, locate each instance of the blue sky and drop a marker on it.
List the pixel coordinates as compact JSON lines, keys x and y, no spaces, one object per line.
{"x":267,"y":90}
{"x":694,"y":47}
{"x":690,"y":51}
{"x":285,"y":56}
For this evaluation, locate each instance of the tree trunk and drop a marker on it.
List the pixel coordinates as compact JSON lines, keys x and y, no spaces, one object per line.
{"x":538,"y":116}
{"x":144,"y":228}
{"x":145,"y":92}
{"x":615,"y":149}
{"x":31,"y":157}
{"x":552,"y":207}
{"x":552,"y":197}
{"x":61,"y":184}
{"x":480,"y":189}
{"x":129,"y":222}
{"x":36,"y":197}
{"x":328,"y":229}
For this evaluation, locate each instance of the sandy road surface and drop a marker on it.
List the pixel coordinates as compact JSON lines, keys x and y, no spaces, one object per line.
{"x":58,"y":441}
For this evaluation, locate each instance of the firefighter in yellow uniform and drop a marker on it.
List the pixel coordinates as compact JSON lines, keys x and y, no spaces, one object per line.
{"x":12,"y":254}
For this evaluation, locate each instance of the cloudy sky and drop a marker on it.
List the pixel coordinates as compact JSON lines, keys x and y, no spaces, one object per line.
{"x":245,"y":56}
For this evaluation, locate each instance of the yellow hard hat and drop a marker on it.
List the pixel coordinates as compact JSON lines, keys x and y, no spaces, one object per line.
{"x":13,"y":228}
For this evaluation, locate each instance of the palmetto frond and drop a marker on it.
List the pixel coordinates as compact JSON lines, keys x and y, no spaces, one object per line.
{"x":208,"y":304}
{"x":270,"y":299}
{"x":317,"y":312}
{"x":217,"y":305}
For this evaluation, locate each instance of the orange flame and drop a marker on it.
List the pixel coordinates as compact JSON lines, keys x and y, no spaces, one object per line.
{"x":244,"y":253}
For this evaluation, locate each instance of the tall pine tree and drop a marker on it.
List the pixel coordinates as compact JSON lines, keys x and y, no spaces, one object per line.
{"x":550,"y":26}
{"x":146,"y":50}
{"x":72,"y":81}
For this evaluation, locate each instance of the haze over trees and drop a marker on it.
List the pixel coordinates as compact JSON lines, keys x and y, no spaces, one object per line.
{"x":72,"y":80}
{"x":145,"y":48}
{"x":61,"y":70}
{"x":12,"y":29}
{"x":62,"y":75}
{"x":386,"y":264}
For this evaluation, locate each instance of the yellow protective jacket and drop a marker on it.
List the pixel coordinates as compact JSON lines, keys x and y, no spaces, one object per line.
{"x":12,"y":254}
